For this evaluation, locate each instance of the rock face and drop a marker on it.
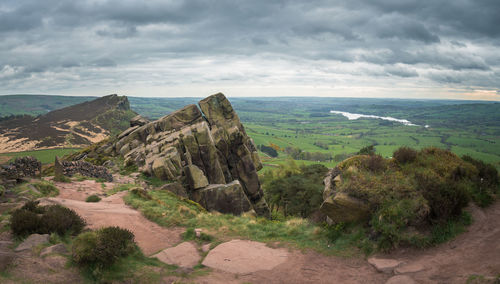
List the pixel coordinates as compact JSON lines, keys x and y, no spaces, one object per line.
{"x":198,"y":149}
{"x":225,"y":198}
{"x":339,"y":206}
{"x":69,"y":168}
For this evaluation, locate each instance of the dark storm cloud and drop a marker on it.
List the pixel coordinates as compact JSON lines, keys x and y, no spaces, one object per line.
{"x":446,"y":42}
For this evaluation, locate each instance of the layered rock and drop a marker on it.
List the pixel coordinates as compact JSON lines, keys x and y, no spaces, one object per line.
{"x":198,"y":149}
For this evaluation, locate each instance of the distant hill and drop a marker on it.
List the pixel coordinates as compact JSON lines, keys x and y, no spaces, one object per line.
{"x":36,"y":104}
{"x":74,"y":126}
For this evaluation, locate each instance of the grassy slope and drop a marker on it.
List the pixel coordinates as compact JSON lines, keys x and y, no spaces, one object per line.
{"x":44,"y":156}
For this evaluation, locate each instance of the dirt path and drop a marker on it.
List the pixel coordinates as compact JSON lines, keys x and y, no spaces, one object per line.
{"x":474,"y":252}
{"x":112,"y":211}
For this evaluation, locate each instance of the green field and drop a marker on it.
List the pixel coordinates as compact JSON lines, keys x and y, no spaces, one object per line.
{"x":45,"y":156}
{"x":464,"y":127}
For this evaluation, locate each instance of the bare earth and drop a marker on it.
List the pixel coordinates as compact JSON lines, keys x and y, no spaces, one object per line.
{"x":474,"y":252}
{"x":112,"y":211}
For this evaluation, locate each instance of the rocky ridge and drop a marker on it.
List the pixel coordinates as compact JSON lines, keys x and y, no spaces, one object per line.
{"x":207,"y":152}
{"x":74,"y":126}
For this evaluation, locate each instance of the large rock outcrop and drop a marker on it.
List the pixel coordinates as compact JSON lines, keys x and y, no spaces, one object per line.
{"x":199,"y":149}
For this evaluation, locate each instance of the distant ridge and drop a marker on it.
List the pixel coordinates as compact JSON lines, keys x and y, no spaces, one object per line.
{"x":74,"y":126}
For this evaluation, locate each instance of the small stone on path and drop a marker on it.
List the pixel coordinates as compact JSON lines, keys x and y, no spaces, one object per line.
{"x":400,"y":279}
{"x":32,"y":241}
{"x":238,"y":256}
{"x":184,"y":255}
{"x":409,"y":268}
{"x":205,"y":248}
{"x":384,"y":265}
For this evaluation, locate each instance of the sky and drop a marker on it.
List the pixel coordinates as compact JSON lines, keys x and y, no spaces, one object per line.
{"x":348,"y":48}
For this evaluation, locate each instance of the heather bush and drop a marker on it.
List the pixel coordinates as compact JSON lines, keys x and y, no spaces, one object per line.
{"x":59,"y":219}
{"x":405,"y":155}
{"x":32,"y":218}
{"x":100,"y":249}
{"x":93,"y":198}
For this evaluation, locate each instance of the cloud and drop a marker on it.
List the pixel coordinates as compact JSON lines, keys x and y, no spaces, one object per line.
{"x":54,"y":44}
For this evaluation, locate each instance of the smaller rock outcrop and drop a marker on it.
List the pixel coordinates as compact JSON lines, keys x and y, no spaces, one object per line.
{"x":70,"y":168}
{"x":138,"y":121}
{"x":339,"y":206}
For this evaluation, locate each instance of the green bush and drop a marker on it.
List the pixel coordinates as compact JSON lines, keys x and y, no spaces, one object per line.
{"x":84,"y":246}
{"x":59,"y":219}
{"x":32,"y":218}
{"x":24,"y":222}
{"x":376,"y":164}
{"x":102,"y":248}
{"x":93,"y":198}
{"x":405,"y":155}
{"x":446,"y":196}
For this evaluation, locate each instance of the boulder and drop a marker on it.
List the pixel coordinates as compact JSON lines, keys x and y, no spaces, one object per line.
{"x":400,"y":279}
{"x":184,"y":255}
{"x":59,"y":249}
{"x":344,"y":208}
{"x":138,"y":121}
{"x":195,"y":177}
{"x":223,"y":198}
{"x":175,"y":188}
{"x":384,"y":265}
{"x":33,"y":241}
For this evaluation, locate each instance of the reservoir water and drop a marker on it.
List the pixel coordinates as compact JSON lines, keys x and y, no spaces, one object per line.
{"x":354,"y":116}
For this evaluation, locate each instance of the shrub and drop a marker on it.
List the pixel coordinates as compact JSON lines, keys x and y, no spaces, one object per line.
{"x":24,"y":222}
{"x":113,"y":243}
{"x":60,"y":220}
{"x":376,"y":164}
{"x":446,"y":197}
{"x":32,"y":218}
{"x":93,"y":198}
{"x":368,"y":150}
{"x":405,"y":155}
{"x":84,"y":246}
{"x":100,"y":249}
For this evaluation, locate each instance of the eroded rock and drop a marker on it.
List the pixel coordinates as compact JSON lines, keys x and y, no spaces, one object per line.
{"x":224,"y":198}
{"x":197,"y":149}
{"x":184,"y":255}
{"x":33,"y":241}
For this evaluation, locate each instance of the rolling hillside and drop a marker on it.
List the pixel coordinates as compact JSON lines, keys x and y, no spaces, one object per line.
{"x":74,"y":126}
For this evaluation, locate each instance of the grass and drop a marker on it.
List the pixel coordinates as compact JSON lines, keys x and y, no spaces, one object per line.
{"x":93,"y":198}
{"x":37,"y":189}
{"x":167,"y":210}
{"x":121,"y":187}
{"x":44,"y":156}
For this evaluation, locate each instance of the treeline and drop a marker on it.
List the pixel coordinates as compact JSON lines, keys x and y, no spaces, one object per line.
{"x":268,"y":150}
{"x":298,"y":154}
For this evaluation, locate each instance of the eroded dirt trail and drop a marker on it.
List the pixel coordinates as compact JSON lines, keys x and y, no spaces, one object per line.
{"x":475,"y":252}
{"x":112,"y":211}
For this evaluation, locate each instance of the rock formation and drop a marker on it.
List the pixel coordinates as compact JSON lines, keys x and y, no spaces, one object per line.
{"x":339,"y":206}
{"x":206,"y":151}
